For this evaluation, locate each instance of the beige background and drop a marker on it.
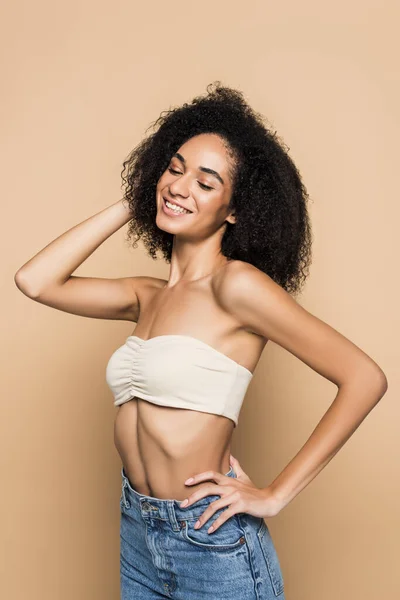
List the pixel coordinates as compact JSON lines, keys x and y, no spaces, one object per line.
{"x":81,"y":81}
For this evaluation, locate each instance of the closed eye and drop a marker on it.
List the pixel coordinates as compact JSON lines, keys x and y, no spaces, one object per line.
{"x":205,"y":187}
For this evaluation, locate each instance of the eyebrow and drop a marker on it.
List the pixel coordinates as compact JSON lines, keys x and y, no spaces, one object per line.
{"x":205,"y":169}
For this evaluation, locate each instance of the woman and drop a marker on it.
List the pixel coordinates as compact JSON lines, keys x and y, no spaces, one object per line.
{"x":216,"y":192}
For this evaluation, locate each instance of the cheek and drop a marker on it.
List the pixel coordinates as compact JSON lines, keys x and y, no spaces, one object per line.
{"x":163,"y":180}
{"x":212,"y":211}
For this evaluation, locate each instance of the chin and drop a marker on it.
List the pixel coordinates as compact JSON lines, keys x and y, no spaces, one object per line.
{"x":164,"y":225}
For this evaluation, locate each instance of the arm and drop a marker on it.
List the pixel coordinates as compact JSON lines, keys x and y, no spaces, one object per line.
{"x":265,"y":308}
{"x":47,"y":277}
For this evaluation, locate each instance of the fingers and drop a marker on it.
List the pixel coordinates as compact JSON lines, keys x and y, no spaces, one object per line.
{"x":213,"y":508}
{"x":207,"y":475}
{"x":209,"y":490}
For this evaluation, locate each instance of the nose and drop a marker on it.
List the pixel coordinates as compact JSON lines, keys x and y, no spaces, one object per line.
{"x":179,"y":187}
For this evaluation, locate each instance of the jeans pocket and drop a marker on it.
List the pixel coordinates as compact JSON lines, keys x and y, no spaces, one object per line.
{"x":228,"y":536}
{"x":271,"y":558}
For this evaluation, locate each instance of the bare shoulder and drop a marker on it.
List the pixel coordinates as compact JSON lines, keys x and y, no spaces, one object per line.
{"x":240,"y":279}
{"x":146,"y":282}
{"x":242,"y":289}
{"x":239,"y":268}
{"x":143,"y":285}
{"x":265,"y":308}
{"x":145,"y":289}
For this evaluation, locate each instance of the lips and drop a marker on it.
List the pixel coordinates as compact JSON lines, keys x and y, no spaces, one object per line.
{"x":177,"y":203}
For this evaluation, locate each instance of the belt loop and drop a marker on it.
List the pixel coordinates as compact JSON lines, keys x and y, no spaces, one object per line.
{"x":172,"y":515}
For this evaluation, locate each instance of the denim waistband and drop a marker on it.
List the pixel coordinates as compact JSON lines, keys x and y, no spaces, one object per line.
{"x":165,"y":509}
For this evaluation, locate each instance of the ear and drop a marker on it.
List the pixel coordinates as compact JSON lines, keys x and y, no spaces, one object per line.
{"x":231,"y":218}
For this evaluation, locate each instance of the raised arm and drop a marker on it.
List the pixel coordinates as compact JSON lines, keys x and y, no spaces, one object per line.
{"x":47,"y":277}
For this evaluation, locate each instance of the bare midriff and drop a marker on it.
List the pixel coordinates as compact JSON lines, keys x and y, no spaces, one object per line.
{"x":160,"y":447}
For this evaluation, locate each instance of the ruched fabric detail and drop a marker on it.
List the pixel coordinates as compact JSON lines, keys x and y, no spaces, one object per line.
{"x":178,"y":371}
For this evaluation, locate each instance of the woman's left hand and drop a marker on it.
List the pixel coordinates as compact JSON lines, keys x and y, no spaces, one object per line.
{"x":239,"y":494}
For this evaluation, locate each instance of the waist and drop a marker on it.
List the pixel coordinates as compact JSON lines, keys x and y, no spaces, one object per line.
{"x":160,"y":447}
{"x":163,"y":508}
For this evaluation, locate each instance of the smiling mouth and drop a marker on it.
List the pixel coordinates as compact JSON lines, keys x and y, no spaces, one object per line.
{"x":174,"y":211}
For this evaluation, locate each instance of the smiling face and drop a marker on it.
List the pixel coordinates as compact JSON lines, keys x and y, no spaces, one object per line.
{"x":198,"y":179}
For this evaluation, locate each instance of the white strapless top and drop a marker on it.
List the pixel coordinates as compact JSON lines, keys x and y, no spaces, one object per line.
{"x":178,"y":371}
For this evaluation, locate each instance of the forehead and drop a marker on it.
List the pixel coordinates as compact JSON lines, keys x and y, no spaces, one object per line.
{"x":207,"y":150}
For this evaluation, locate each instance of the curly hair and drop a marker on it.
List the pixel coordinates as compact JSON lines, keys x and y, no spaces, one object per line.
{"x":272,"y":229}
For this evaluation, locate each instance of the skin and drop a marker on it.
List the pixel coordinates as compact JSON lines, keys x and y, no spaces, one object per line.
{"x":197,"y":241}
{"x":232,"y":306}
{"x":245,"y":308}
{"x":160,"y":447}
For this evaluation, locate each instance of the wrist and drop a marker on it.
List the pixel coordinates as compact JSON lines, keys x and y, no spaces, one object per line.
{"x":124,"y":202}
{"x":275,"y":501}
{"x":124,"y":209}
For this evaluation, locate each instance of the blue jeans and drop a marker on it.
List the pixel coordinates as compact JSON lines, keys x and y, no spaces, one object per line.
{"x":163,"y":556}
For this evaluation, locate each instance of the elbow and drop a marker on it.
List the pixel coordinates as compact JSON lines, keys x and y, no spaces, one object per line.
{"x":371,"y":379}
{"x":384,"y":383}
{"x":23,"y":285}
{"x":376,"y":377}
{"x":379,"y":382}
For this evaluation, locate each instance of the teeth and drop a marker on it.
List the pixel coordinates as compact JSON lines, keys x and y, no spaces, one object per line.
{"x":176,"y":208}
